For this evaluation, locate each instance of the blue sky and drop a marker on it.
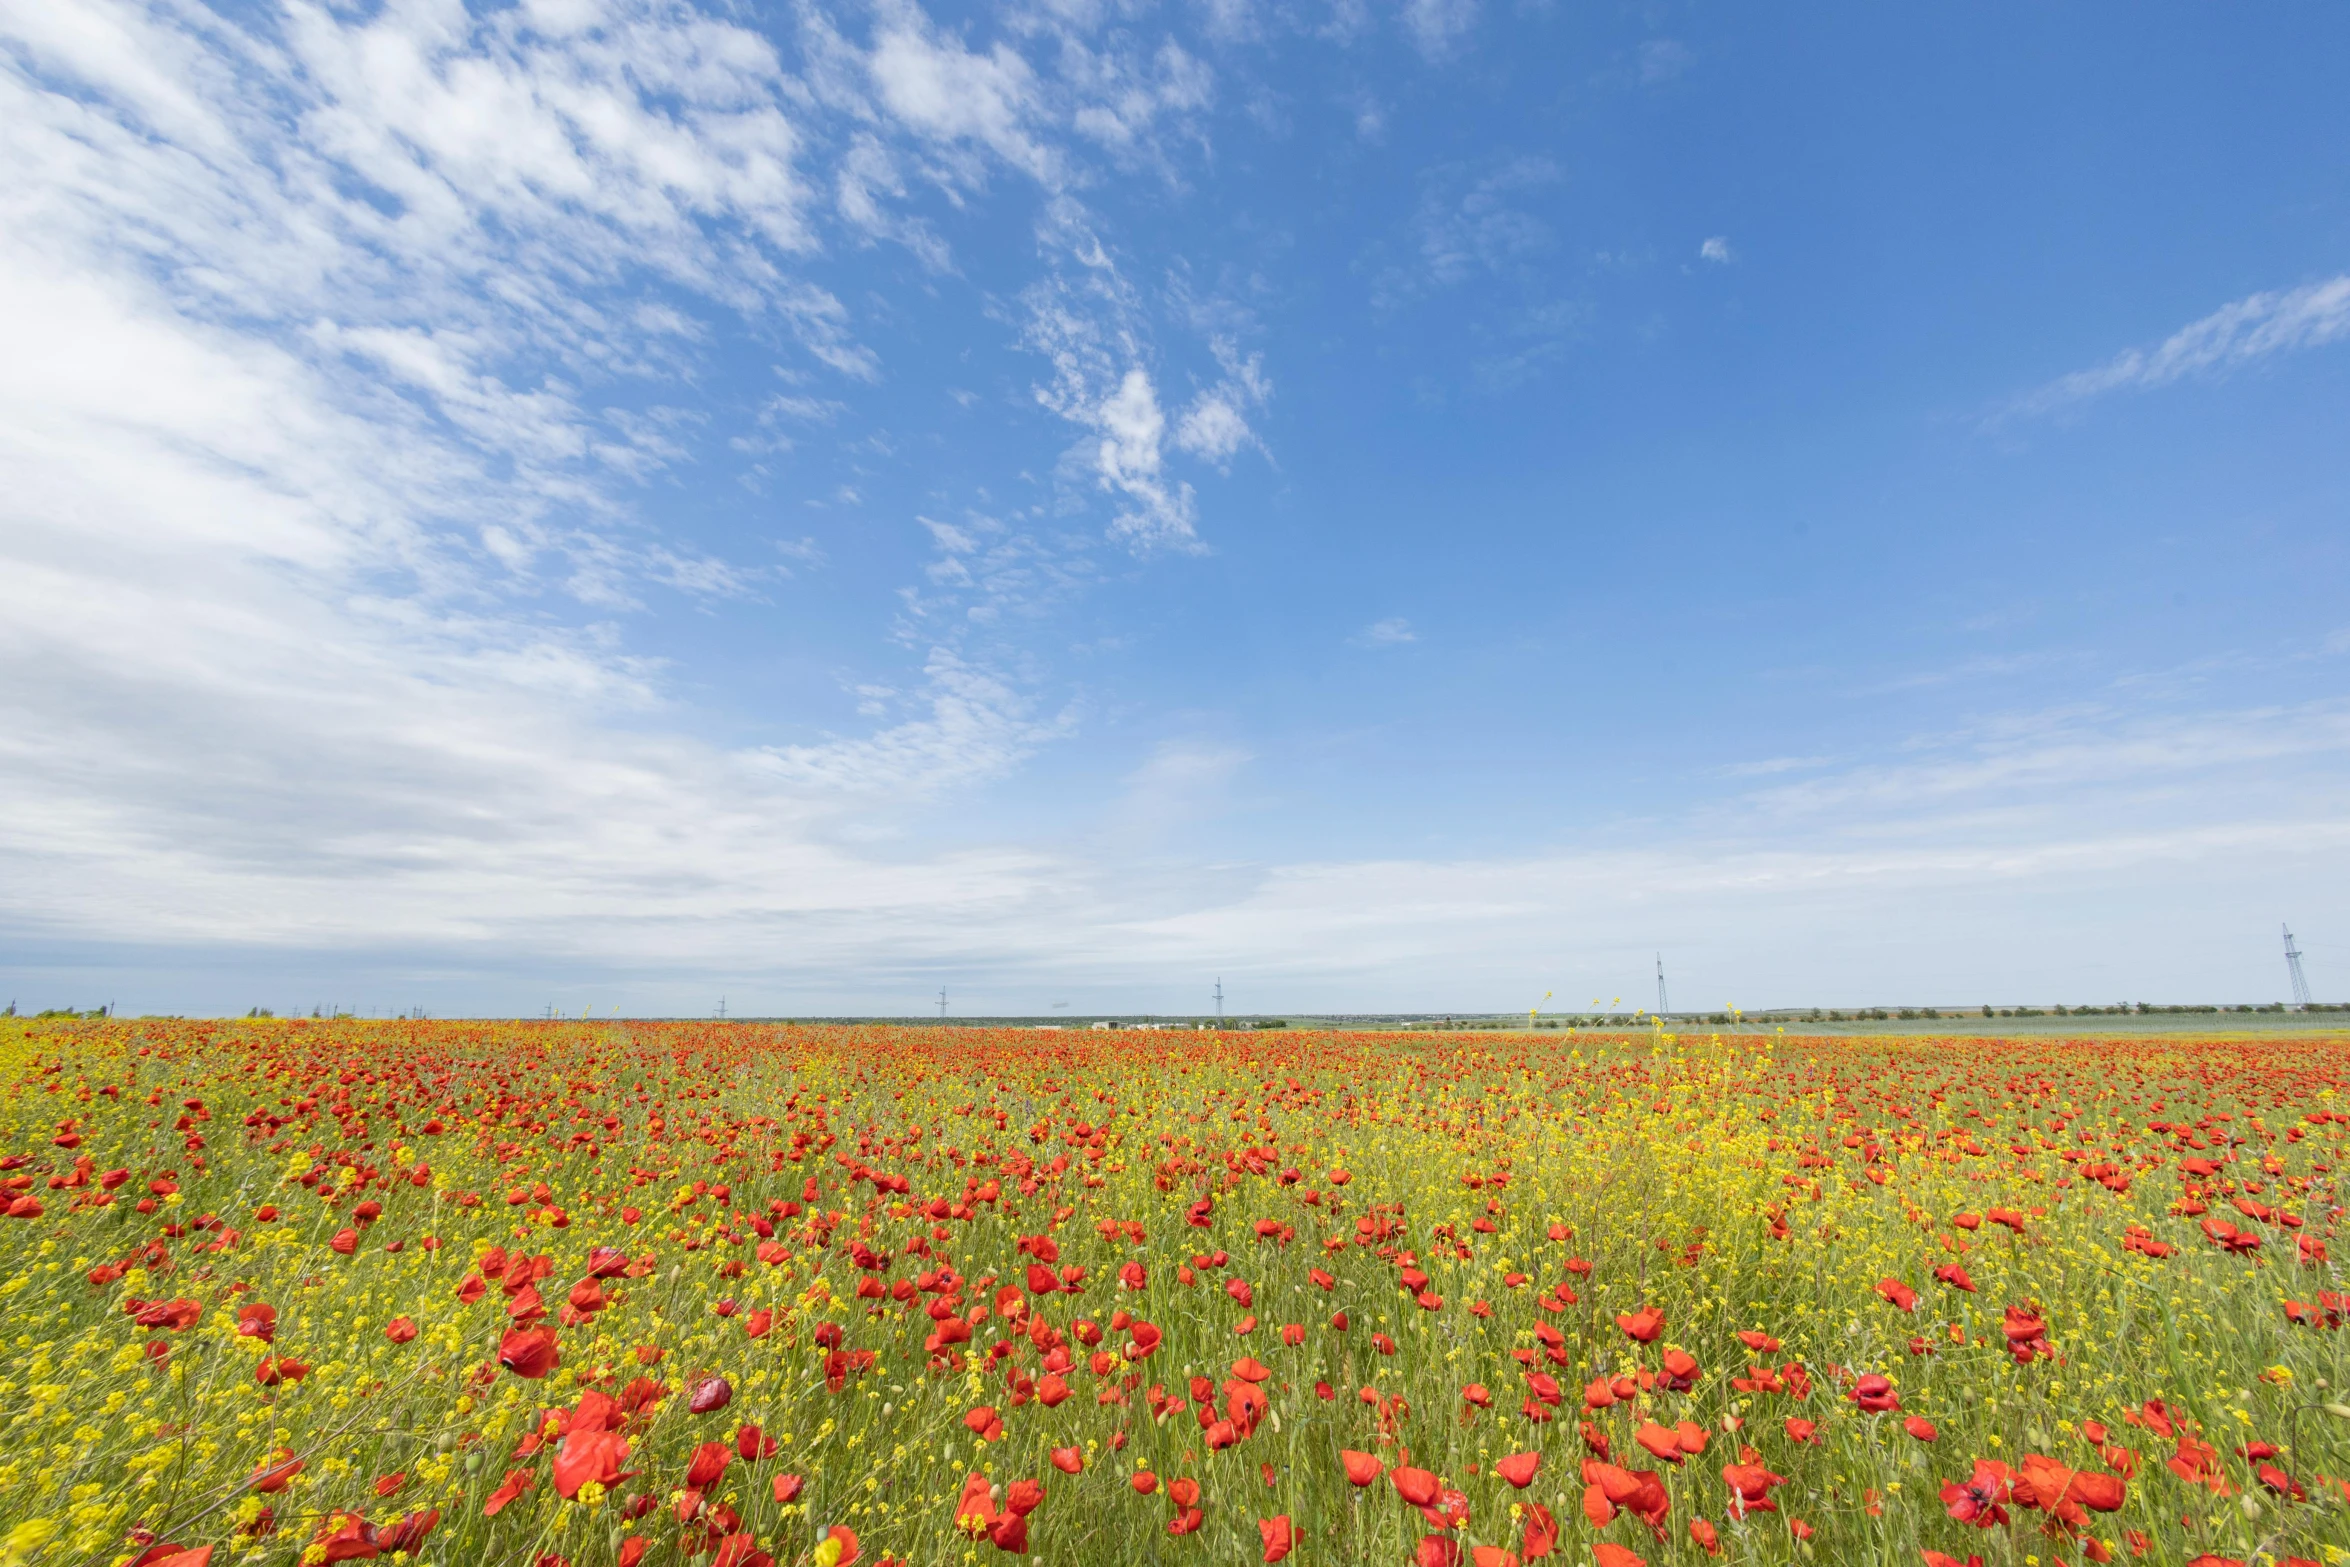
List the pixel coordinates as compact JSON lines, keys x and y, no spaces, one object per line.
{"x":610,"y":505}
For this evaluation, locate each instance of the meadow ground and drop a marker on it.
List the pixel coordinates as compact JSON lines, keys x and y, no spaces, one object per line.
{"x":451,"y":1292}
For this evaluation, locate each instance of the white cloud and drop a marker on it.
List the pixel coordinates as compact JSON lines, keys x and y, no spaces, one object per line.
{"x":321,"y":353}
{"x":1123,"y":100}
{"x":1215,"y":427}
{"x":951,"y":94}
{"x":1086,"y":322}
{"x":1229,"y":21}
{"x":951,"y":539}
{"x":1132,"y":428}
{"x":868,"y":174}
{"x":1129,"y":461}
{"x":2251,"y":328}
{"x":1470,"y":227}
{"x":2087,"y":752}
{"x":1663,"y":60}
{"x":1182,"y":781}
{"x":978,"y":726}
{"x":1717,"y":249}
{"x":1437,"y":26}
{"x":330,"y":352}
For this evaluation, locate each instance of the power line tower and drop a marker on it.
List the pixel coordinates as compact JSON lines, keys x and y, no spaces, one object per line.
{"x":1219,"y":998}
{"x":2293,"y":967}
{"x":1662,"y":1007}
{"x":721,"y":1009}
{"x":942,"y":1003}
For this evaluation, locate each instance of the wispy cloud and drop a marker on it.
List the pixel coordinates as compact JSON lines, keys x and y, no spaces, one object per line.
{"x":1089,"y":323}
{"x":1182,"y":781}
{"x":1717,"y":250}
{"x":345,"y":344}
{"x":2095,"y":759}
{"x":1470,"y":226}
{"x":959,"y":97}
{"x":1394,"y":631}
{"x":1663,"y":60}
{"x":342,"y":346}
{"x":1437,"y":27}
{"x":1215,"y":427}
{"x":1771,"y":766}
{"x":2252,"y":328}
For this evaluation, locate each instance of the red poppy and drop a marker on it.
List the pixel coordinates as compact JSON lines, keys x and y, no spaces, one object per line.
{"x":1642,"y":1326}
{"x":1542,"y":1532}
{"x":1361,"y":1468}
{"x":1660,"y":1442}
{"x":975,"y":1510}
{"x":1608,"y":1488}
{"x":1679,"y":1371}
{"x":1750,"y":1486}
{"x":516,"y":1482}
{"x":408,"y":1533}
{"x":1518,"y":1468}
{"x":529,"y":1353}
{"x":589,"y":1452}
{"x":739,"y":1549}
{"x":343,"y":1537}
{"x":1978,"y":1499}
{"x":273,"y":1371}
{"x":1875,"y":1394}
{"x":172,"y":1556}
{"x":275,"y":1472}
{"x":707,"y":1464}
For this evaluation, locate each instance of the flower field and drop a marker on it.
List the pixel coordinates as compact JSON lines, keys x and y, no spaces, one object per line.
{"x":578,"y":1293}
